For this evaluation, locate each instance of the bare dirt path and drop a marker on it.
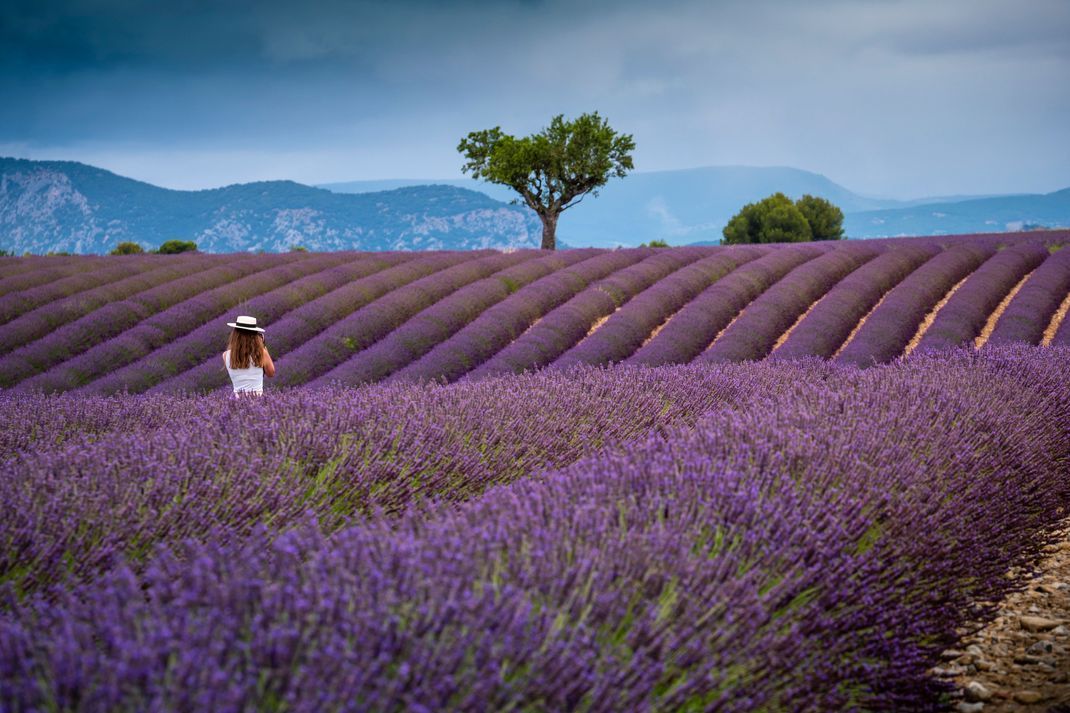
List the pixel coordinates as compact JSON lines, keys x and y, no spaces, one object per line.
{"x":1020,"y":661}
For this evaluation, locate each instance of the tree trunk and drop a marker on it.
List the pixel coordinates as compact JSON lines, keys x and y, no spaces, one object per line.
{"x":549,"y":231}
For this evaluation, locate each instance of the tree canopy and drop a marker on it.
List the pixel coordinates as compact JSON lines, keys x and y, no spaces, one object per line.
{"x":127,"y":248}
{"x":824,"y":218}
{"x":172,"y":247}
{"x":777,"y":219}
{"x":553,"y":169}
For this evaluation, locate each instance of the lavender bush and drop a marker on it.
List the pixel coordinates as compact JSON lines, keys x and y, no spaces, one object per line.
{"x":1031,"y":310}
{"x":623,"y":333}
{"x":889,"y":327}
{"x":965,"y":314}
{"x":795,"y":547}
{"x":378,"y":318}
{"x":827,"y":326}
{"x":174,"y":322}
{"x":28,"y":321}
{"x":442,"y":316}
{"x":1062,"y":334}
{"x":41,"y":292}
{"x":559,"y":329}
{"x":691,"y":330}
{"x":208,"y":340}
{"x":438,"y":322}
{"x":30,"y":272}
{"x":753,"y":333}
{"x":167,"y":467}
{"x":108,"y":321}
{"x":366,"y":282}
{"x":493,"y":330}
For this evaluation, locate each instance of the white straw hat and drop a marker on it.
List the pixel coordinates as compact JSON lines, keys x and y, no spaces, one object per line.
{"x":247,"y":324}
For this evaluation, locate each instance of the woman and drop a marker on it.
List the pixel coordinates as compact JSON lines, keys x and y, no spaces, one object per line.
{"x":246,"y":358}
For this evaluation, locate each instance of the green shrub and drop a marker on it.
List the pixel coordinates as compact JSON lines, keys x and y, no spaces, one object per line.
{"x":173,"y":247}
{"x":127,"y":248}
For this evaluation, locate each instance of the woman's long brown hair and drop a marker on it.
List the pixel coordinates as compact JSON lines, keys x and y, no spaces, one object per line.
{"x":246,"y":349}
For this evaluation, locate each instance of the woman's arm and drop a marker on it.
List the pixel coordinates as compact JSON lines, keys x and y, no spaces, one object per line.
{"x":265,"y":360}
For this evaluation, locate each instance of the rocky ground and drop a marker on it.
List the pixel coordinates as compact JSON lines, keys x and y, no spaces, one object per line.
{"x":1020,"y":661}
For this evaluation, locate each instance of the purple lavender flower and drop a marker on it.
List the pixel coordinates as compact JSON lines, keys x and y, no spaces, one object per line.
{"x":1031,"y":310}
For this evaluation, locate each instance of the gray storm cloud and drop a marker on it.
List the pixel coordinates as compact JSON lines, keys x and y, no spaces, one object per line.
{"x":897,"y":98}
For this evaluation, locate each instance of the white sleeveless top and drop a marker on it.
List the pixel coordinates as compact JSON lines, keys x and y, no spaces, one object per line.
{"x":250,"y":379}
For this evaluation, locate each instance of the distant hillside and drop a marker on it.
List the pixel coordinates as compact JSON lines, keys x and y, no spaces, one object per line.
{"x":68,"y":206}
{"x":685,"y":206}
{"x":692,"y":206}
{"x":980,"y":215}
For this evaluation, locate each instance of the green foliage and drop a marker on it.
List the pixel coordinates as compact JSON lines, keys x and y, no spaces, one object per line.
{"x":58,"y":253}
{"x":173,"y":247}
{"x":127,"y":248}
{"x":777,"y":219}
{"x":298,"y":249}
{"x":554,"y":169}
{"x":825,"y":219}
{"x":771,"y":220}
{"x":655,"y":243}
{"x":7,"y":253}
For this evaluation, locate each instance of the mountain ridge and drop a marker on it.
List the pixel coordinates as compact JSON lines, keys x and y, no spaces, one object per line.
{"x":692,"y":206}
{"x":74,"y":207}
{"x":70,"y":206}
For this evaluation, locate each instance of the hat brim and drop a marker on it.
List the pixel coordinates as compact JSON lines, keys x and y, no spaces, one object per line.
{"x":244,"y":328}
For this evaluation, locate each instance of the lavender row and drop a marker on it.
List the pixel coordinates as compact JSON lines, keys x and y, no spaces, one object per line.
{"x":304,"y":323}
{"x":721,"y":567}
{"x":962,"y":318}
{"x":493,"y":330}
{"x":108,"y":277}
{"x":1031,"y":310}
{"x":26,"y":273}
{"x":166,"y":467}
{"x":564,"y":326}
{"x":172,"y":323}
{"x":889,"y":327}
{"x":427,"y":326}
{"x":623,"y":333}
{"x":691,"y":330}
{"x":437,"y":323}
{"x":827,"y":326}
{"x":986,"y":241}
{"x":23,"y":328}
{"x":372,"y":322}
{"x":754,"y":332}
{"x":32,"y":274}
{"x":208,"y":341}
{"x":1062,"y":333}
{"x":110,"y":320}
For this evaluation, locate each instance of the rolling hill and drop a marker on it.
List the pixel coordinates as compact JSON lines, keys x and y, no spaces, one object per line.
{"x":975,"y":215}
{"x":48,"y":206}
{"x":692,"y":206}
{"x":67,"y":206}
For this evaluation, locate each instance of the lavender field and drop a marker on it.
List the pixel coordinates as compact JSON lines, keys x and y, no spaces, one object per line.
{"x":153,"y":323}
{"x":468,"y":489}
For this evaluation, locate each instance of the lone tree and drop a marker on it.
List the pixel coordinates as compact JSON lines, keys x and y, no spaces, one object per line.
{"x":777,"y":219}
{"x":127,"y":248}
{"x":825,"y":219}
{"x":554,"y":169}
{"x":173,"y":247}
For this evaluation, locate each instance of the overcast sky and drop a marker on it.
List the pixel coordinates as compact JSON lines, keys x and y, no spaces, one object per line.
{"x":899,"y":98}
